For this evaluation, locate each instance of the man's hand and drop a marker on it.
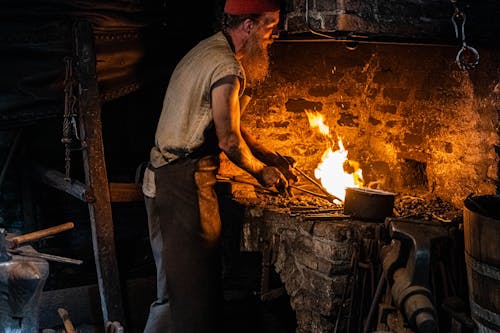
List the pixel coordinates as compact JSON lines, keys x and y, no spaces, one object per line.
{"x":271,"y":176}
{"x":285,"y":165}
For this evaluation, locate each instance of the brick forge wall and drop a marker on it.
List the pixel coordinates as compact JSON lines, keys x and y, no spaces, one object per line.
{"x":313,"y":260}
{"x":407,"y":113}
{"x":407,"y":18}
{"x":426,"y":20}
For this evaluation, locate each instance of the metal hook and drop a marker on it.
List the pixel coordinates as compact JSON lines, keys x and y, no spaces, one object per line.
{"x":467,"y":64}
{"x":458,"y":15}
{"x":457,"y":19}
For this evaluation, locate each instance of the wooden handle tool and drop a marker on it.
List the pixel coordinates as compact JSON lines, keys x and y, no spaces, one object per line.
{"x":15,"y":241}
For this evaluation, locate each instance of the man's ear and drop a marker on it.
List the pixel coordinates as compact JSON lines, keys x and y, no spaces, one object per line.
{"x":248,"y":25}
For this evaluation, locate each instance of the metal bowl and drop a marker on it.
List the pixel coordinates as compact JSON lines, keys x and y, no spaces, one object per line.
{"x":369,"y":204}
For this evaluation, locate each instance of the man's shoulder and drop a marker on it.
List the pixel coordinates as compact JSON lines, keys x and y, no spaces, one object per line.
{"x":211,"y":58}
{"x":214,"y":50}
{"x":215,"y":43}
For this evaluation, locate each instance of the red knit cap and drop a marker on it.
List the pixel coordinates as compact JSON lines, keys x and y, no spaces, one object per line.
{"x":242,"y":7}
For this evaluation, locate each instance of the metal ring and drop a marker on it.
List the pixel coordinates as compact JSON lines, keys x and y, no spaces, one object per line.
{"x":467,"y":65}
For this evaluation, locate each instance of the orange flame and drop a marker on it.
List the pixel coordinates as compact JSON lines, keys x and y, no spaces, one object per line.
{"x":316,"y":120}
{"x":331,"y":170}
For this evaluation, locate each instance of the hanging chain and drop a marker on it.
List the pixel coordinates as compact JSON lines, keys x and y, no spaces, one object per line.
{"x":467,"y":57}
{"x":70,"y":128}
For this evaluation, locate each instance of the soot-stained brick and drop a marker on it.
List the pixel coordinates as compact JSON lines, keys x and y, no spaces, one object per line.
{"x":448,"y":147}
{"x":322,"y":91}
{"x":361,"y":78}
{"x":384,"y":76}
{"x":259,"y":123}
{"x":424,"y":95}
{"x":374,"y":121}
{"x":300,"y":105}
{"x":372,"y":93}
{"x":397,"y":94}
{"x":407,"y":111}
{"x":323,"y":6}
{"x":391,"y":123}
{"x":343,"y":105}
{"x":296,"y":24}
{"x":412,"y":139}
{"x":281,"y":124}
{"x":348,"y":119}
{"x":351,"y":91}
{"x":331,"y":20}
{"x":283,"y":137}
{"x":387,"y":108}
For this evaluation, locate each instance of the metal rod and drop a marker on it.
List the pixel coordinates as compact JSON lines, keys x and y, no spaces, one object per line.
{"x":310,"y":192}
{"x":378,"y":292}
{"x":9,"y":158}
{"x":233,"y":179}
{"x":384,"y":40}
{"x":345,"y":291}
{"x":46,"y":256}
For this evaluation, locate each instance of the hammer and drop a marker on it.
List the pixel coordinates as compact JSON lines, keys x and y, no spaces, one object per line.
{"x":8,"y":244}
{"x":15,"y":241}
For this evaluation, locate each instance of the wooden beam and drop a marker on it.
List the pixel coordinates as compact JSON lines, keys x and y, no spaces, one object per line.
{"x":125,"y":192}
{"x":96,"y":176}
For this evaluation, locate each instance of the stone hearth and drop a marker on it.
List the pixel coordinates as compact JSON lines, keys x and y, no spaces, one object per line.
{"x":313,"y":259}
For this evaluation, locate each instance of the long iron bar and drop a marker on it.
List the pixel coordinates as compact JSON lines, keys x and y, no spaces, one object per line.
{"x":326,"y":197}
{"x":9,"y":158}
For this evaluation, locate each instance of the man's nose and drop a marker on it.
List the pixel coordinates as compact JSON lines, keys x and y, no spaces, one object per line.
{"x":275,"y":33}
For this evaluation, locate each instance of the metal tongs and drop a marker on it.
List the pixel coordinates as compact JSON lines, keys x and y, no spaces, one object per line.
{"x":234,"y":179}
{"x":327,"y":195}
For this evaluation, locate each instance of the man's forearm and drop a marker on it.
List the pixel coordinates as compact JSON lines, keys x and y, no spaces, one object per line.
{"x":259,"y":150}
{"x":241,"y":155}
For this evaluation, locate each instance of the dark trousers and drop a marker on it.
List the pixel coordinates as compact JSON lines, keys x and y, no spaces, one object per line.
{"x":185,"y":233}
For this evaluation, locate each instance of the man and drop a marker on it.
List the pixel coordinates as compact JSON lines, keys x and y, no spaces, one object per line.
{"x":201,"y":118}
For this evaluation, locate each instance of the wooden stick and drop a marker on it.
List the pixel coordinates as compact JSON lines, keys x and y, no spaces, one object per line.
{"x":36,"y":235}
{"x":68,"y":325}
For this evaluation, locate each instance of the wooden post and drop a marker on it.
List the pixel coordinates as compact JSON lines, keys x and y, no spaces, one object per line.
{"x":96,"y":176}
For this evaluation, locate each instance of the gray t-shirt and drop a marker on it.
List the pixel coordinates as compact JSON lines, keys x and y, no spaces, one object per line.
{"x":187,"y":110}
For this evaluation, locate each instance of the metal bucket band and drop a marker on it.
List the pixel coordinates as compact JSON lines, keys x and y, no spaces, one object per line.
{"x":482,"y":268}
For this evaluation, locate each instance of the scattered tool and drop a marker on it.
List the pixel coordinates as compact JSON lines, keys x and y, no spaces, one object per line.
{"x":15,"y":241}
{"x":114,"y":327}
{"x":35,"y":254}
{"x":11,"y":244}
{"x":68,"y":325}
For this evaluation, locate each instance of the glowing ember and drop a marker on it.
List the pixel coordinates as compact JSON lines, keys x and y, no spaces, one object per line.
{"x":331,"y":171}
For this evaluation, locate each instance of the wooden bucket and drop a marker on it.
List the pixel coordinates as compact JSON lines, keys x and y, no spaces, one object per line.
{"x":482,"y":255}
